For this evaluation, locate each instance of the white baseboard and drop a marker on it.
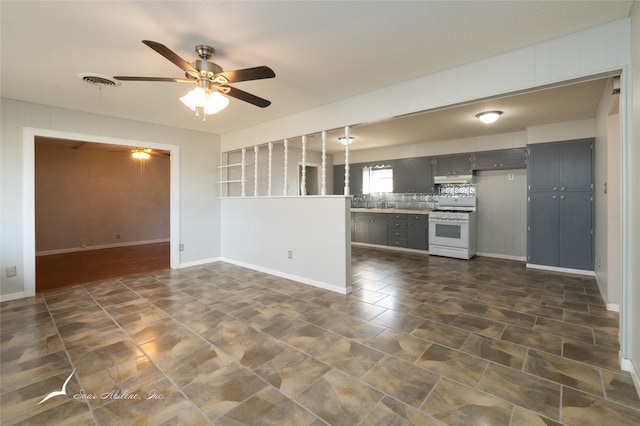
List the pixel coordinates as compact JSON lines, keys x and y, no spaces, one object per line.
{"x":303,"y":280}
{"x":613,"y":307}
{"x":101,"y":246}
{"x":12,"y":296}
{"x":564,"y":270}
{"x":199,"y":262}
{"x":502,"y":256}
{"x":627,"y":365}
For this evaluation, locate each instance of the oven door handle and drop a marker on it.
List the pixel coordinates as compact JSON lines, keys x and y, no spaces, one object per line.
{"x":448,"y":222}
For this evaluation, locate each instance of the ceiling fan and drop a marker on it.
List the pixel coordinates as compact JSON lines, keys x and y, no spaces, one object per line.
{"x":211,"y":81}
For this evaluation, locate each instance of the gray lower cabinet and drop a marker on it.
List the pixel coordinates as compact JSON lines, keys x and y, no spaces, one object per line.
{"x":418,"y":231}
{"x":370,"y":228}
{"x":503,"y":159}
{"x":397,"y":230}
{"x":560,"y":226}
{"x":392,"y":229}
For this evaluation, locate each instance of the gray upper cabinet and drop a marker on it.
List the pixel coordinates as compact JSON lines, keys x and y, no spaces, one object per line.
{"x":561,"y":166}
{"x":455,"y":164}
{"x":355,"y":179}
{"x":504,"y":159}
{"x":413,"y":175}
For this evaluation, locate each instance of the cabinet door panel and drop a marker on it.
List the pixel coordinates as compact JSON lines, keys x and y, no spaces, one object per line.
{"x":338,"y":179}
{"x":378,"y":230}
{"x":488,"y":160}
{"x":417,"y":235}
{"x":515,"y":158}
{"x":542,"y":171}
{"x":542,"y":238}
{"x":575,"y":167}
{"x":575,"y":230}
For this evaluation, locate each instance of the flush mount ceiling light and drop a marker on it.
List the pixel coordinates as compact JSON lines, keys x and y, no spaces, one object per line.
{"x":141,"y":153}
{"x":489,"y":117}
{"x":344,"y":140}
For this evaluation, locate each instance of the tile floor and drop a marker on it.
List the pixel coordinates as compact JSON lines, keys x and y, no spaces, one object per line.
{"x":421,"y":340}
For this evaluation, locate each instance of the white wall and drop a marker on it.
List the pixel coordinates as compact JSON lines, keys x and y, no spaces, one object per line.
{"x":502,"y":213}
{"x":607,"y":190}
{"x":630,"y":311}
{"x":259,"y":232}
{"x":196,"y":211}
{"x":593,"y":51}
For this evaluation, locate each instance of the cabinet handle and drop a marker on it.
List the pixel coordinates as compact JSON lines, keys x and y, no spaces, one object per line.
{"x":554,"y":197}
{"x":562,"y":188}
{"x":554,"y":188}
{"x":495,"y":165}
{"x":562,"y":197}
{"x":397,"y":234}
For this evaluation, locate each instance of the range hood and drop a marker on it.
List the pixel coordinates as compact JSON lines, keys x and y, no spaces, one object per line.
{"x":453,"y":179}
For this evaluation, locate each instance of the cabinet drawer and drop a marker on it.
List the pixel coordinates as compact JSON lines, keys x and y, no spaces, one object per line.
{"x":396,"y":216}
{"x":398,"y":242}
{"x":396,"y":233}
{"x":397,"y":224}
{"x":417,"y":218}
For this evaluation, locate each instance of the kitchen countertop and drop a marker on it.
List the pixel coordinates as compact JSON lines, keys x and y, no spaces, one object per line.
{"x":403,"y":211}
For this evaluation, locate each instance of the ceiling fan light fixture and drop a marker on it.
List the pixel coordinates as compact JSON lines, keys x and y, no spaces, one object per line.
{"x":489,"y":117}
{"x":344,"y":141}
{"x":205,"y":100}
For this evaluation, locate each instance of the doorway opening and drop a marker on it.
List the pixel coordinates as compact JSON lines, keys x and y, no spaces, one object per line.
{"x":29,"y":207}
{"x":101,"y":212}
{"x":312,"y":182}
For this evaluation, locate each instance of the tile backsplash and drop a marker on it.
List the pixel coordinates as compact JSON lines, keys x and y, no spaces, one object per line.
{"x":412,"y":201}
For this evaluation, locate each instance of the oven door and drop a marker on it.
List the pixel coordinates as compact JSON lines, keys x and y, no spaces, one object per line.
{"x":450,"y":233}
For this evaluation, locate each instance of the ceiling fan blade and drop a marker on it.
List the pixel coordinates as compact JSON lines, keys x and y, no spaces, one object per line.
{"x":255,"y":73}
{"x":245,"y":96}
{"x":170,"y":79}
{"x":170,"y":55}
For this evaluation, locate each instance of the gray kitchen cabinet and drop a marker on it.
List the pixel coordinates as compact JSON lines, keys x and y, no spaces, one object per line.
{"x":455,"y":164}
{"x":397,"y":230}
{"x":370,"y":228}
{"x":561,"y":166}
{"x":576,"y":239}
{"x":418,"y":231}
{"x":503,"y":159}
{"x":560,"y":226}
{"x":355,"y":179}
{"x":413,"y":175}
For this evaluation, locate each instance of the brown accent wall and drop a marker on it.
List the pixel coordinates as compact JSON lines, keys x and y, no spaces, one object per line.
{"x":97,"y":196}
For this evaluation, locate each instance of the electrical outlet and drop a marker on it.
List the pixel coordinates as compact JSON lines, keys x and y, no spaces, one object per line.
{"x":290,"y":254}
{"x":181,"y":247}
{"x":510,"y":176}
{"x":11,"y":271}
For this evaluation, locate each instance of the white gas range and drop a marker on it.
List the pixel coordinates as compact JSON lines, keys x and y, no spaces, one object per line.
{"x":452,"y":227}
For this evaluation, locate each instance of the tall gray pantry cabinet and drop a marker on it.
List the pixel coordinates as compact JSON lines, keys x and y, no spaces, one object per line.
{"x":560,"y":211}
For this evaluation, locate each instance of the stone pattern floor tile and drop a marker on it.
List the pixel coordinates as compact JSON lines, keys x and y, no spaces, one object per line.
{"x":421,"y":340}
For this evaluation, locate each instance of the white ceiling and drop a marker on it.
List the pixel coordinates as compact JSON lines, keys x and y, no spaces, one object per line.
{"x":321,"y":52}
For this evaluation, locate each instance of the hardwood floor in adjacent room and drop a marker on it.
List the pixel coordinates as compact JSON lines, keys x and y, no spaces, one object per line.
{"x":68,"y":269}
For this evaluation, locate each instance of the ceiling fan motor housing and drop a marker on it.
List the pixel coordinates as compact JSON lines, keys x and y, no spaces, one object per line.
{"x":205,"y":69}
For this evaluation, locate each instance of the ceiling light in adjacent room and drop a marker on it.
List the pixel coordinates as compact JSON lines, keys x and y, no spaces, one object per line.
{"x":489,"y":117}
{"x":343,"y":140}
{"x":141,"y":154}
